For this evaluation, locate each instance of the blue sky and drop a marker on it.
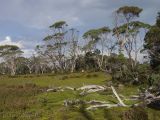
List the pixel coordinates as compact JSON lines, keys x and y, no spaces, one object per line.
{"x":25,"y":22}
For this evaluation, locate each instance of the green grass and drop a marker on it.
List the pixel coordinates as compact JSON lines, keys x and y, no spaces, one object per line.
{"x":73,"y":80}
{"x":23,"y":98}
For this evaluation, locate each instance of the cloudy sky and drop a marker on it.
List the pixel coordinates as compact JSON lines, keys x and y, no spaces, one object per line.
{"x":25,"y":22}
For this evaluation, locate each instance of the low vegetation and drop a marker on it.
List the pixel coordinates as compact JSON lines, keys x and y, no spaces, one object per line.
{"x":27,"y":98}
{"x":102,"y":79}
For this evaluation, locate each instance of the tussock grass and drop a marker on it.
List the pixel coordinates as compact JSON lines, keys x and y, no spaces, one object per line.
{"x":24,"y":98}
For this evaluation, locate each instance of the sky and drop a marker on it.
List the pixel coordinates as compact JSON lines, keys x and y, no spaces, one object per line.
{"x":25,"y":22}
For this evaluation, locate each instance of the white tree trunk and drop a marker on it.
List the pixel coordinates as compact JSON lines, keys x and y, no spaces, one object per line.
{"x":117,"y":96}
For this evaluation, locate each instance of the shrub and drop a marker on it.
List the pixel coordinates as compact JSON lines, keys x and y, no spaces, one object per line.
{"x":136,"y":113}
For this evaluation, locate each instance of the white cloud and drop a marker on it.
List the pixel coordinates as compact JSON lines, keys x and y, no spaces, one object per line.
{"x":8,"y":41}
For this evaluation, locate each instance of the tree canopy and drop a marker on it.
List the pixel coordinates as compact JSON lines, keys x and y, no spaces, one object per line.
{"x":9,"y":50}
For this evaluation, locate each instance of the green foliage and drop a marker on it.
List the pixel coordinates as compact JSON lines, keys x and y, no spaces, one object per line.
{"x":49,"y":37}
{"x":80,"y":63}
{"x":143,"y":71}
{"x":151,"y":37}
{"x":88,"y":62}
{"x":129,"y":11}
{"x":132,"y":27}
{"x":152,"y":43}
{"x":95,"y":33}
{"x":93,"y":36}
{"x":122,"y":72}
{"x":158,"y":20}
{"x":58,"y":24}
{"x":154,"y":82}
{"x":9,"y":50}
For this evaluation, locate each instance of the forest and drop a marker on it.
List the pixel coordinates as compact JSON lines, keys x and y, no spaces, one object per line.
{"x":103,"y":74}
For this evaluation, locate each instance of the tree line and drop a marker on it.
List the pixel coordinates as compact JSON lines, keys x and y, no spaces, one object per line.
{"x":114,"y":50}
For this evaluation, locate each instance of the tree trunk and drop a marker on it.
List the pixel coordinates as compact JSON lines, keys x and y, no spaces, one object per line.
{"x":13,"y":68}
{"x":117,"y":96}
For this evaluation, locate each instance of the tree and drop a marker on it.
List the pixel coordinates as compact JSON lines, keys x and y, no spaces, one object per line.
{"x":56,"y":42}
{"x":98,"y":41}
{"x":124,"y":15}
{"x":152,"y":44}
{"x":73,"y":47}
{"x":9,"y":53}
{"x":91,"y":37}
{"x":61,"y":47}
{"x":22,"y":67}
{"x":128,"y":32}
{"x":133,"y":43}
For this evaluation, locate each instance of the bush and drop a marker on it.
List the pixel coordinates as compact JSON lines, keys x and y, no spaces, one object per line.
{"x":136,"y":113}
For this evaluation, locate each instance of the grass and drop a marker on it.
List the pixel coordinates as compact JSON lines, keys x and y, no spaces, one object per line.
{"x":24,"y":98}
{"x":73,"y":80}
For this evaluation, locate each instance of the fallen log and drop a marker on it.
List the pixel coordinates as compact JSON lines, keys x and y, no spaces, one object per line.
{"x":93,"y":107}
{"x":96,"y":102}
{"x":70,"y":88}
{"x":88,"y":87}
{"x":117,"y":96}
{"x":56,"y":89}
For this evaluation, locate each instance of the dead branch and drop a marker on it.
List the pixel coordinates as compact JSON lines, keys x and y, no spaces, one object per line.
{"x":117,"y":96}
{"x":93,"y":107}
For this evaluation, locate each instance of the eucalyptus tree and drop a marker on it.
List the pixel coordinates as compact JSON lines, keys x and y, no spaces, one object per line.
{"x":30,"y":64}
{"x":49,"y":54}
{"x":133,"y":31}
{"x":73,"y":47}
{"x":98,"y":41}
{"x":22,"y":68}
{"x":91,"y":38}
{"x":56,"y":42}
{"x":124,"y":15}
{"x":128,"y":31}
{"x":3,"y":68}
{"x":9,"y":53}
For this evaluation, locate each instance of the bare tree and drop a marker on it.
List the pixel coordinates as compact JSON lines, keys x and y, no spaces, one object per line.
{"x":73,"y":48}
